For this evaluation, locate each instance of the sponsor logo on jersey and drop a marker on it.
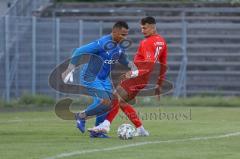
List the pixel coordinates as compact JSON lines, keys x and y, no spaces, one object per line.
{"x":110,"y":62}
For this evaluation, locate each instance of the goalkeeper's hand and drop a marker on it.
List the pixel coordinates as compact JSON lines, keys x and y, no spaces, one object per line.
{"x":67,"y":76}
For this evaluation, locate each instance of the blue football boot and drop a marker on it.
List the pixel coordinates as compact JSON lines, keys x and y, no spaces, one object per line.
{"x":80,"y":123}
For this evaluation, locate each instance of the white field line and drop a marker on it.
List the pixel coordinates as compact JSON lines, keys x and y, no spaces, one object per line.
{"x":25,"y":120}
{"x":74,"y":153}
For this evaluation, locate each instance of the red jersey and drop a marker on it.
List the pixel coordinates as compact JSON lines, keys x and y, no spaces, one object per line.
{"x":151,"y":50}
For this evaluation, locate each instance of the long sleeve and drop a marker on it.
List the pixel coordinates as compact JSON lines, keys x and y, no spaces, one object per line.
{"x":91,"y":48}
{"x":163,"y":62}
{"x":144,"y":60}
{"x":124,"y":60}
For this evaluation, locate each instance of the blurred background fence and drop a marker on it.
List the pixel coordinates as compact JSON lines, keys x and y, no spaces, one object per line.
{"x":203,"y":42}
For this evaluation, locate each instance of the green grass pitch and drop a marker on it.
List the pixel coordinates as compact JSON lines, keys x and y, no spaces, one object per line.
{"x":175,"y":132}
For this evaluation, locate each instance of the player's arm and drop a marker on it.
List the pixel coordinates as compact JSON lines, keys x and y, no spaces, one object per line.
{"x":163,"y":62}
{"x":123,"y":59}
{"x":91,"y":48}
{"x":126,"y":62}
{"x":163,"y":68}
{"x":143,"y":67}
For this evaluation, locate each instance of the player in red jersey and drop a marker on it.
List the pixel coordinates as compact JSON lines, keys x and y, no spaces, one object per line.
{"x":151,"y":50}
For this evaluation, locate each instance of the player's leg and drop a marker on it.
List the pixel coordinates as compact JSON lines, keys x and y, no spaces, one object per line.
{"x":100,"y":119}
{"x":131,"y":113}
{"x":98,"y":107}
{"x":127,"y":109}
{"x":120,"y":93}
{"x":107,"y":86}
{"x":105,"y":126}
{"x":114,"y":108}
{"x":134,"y":118}
{"x":114,"y":111}
{"x":128,"y":95}
{"x":81,"y":122}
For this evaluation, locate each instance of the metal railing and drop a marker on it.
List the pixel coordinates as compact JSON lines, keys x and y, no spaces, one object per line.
{"x":31,"y":47}
{"x":11,"y":36}
{"x":182,"y":75}
{"x":25,"y":7}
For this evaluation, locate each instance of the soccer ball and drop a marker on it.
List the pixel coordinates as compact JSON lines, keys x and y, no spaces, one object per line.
{"x":126,"y":131}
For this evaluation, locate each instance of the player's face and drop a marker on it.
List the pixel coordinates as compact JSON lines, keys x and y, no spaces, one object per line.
{"x":148,"y":29}
{"x":119,"y":34}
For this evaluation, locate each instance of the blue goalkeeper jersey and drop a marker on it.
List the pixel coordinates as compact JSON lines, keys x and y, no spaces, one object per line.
{"x":105,"y":54}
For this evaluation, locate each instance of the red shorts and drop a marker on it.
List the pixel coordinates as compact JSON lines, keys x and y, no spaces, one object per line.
{"x":133,"y":86}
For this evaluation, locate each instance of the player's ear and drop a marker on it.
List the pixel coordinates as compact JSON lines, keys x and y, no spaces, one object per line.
{"x":154,"y":27}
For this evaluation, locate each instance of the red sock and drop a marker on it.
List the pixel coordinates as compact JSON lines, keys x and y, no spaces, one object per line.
{"x":131,"y":114}
{"x":113,"y":113}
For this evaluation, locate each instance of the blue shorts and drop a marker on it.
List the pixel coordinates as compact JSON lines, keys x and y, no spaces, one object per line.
{"x":97,"y":88}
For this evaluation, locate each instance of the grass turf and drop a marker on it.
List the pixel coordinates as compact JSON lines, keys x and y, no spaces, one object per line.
{"x":40,"y":135}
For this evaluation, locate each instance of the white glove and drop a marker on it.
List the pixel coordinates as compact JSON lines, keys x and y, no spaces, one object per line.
{"x":69,"y":77}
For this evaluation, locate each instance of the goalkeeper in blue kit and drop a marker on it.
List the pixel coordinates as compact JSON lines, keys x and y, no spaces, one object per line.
{"x":99,"y":79}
